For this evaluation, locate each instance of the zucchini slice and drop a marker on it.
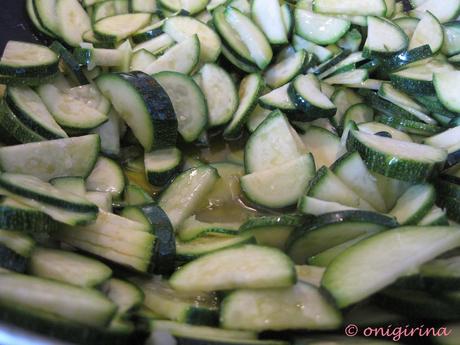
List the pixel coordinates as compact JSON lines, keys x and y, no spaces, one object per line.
{"x":319,"y":28}
{"x":55,"y":299}
{"x":194,"y":335}
{"x":351,"y":7}
{"x":384,"y":37}
{"x":125,"y":295}
{"x":250,"y":88}
{"x":220,"y":93}
{"x":351,"y":169}
{"x":73,"y":21}
{"x":428,"y":31}
{"x":22,"y":59}
{"x":321,"y":53}
{"x":187,"y":190}
{"x":324,"y":145}
{"x":118,"y":27}
{"x":318,"y":207}
{"x":406,"y":248}
{"x":114,"y":238}
{"x":107,"y":176}
{"x":305,"y":92}
{"x":271,"y":231}
{"x":446,"y":11}
{"x":192,"y":229}
{"x":15,"y":250}
{"x":287,"y":69}
{"x":414,"y":204}
{"x":436,"y":216}
{"x":282,"y":185}
{"x":144,"y":105}
{"x":189,"y":251}
{"x":397,"y":159}
{"x":188,"y":101}
{"x":269,"y":17}
{"x":303,"y":305}
{"x":327,"y":186}
{"x":182,"y":57}
{"x":251,"y":36}
{"x":68,"y":267}
{"x":191,"y":308}
{"x":156,"y":219}
{"x":278,"y":99}
{"x":332,"y":229}
{"x":54,"y":158}
{"x":17,"y":216}
{"x":70,"y":184}
{"x":192,"y":6}
{"x":161,"y":166}
{"x":263,"y":267}
{"x":62,"y":206}
{"x":181,"y":27}
{"x":273,"y":144}
{"x":29,"y":108}
{"x":445,"y":84}
{"x":70,"y":112}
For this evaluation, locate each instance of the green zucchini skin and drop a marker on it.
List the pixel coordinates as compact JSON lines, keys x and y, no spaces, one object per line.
{"x":406,"y":57}
{"x":409,"y":126}
{"x":30,"y":221}
{"x":158,"y":104}
{"x":404,"y":169}
{"x":413,"y":86}
{"x":15,"y":128}
{"x":165,"y":244}
{"x":51,"y":326}
{"x":70,"y":64}
{"x":11,"y":260}
{"x":28,"y":122}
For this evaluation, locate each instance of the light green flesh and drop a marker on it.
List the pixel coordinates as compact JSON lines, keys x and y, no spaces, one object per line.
{"x":310,"y":274}
{"x":307,"y":86}
{"x":155,"y":46}
{"x":171,"y":304}
{"x":384,"y":36}
{"x":103,"y":200}
{"x":247,"y":266}
{"x":317,"y":207}
{"x":182,"y":58}
{"x":278,"y":98}
{"x":68,"y":267}
{"x":17,"y":241}
{"x":351,"y":7}
{"x":375,"y":127}
{"x":201,"y":332}
{"x":399,"y":251}
{"x":324,"y":258}
{"x":446,"y":89}
{"x":415,"y":202}
{"x":107,"y":176}
{"x":64,"y":301}
{"x":319,"y":28}
{"x":124,"y":294}
{"x":208,"y":244}
{"x":183,"y":196}
{"x":402,"y":149}
{"x":353,"y":172}
{"x":445,"y":11}
{"x":220,"y":94}
{"x":74,"y":185}
{"x":23,"y":54}
{"x":274,"y":143}
{"x":180,"y":28}
{"x":130,"y":105}
{"x":428,"y":31}
{"x":328,"y":236}
{"x":53,"y":158}
{"x":303,"y":305}
{"x":192,"y":228}
{"x":123,"y":25}
{"x":331,"y":188}
{"x":433,"y":216}
{"x":320,"y":52}
{"x":162,"y":160}
{"x":280,"y":186}
{"x":30,"y":102}
{"x":255,"y":41}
